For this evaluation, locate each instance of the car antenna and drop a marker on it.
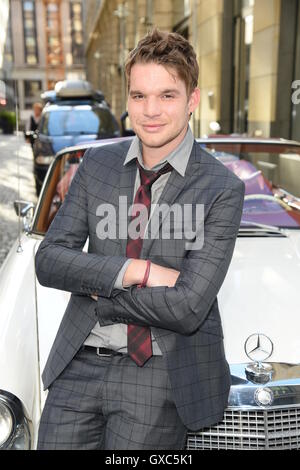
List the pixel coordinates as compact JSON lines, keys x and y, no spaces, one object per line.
{"x":19,"y":249}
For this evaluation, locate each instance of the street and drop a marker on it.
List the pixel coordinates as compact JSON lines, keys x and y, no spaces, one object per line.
{"x":12,"y":148}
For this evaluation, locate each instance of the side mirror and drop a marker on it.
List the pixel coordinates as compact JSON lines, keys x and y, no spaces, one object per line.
{"x":30,"y":136}
{"x":25,"y":209}
{"x":29,"y":133}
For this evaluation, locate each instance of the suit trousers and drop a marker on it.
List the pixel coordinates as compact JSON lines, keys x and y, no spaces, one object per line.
{"x":110,"y":403}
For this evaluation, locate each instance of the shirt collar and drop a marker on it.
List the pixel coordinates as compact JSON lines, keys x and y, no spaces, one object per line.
{"x":178,"y":158}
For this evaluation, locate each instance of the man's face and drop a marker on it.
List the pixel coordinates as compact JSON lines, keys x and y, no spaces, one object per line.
{"x":158,"y":105}
{"x":37,"y":111}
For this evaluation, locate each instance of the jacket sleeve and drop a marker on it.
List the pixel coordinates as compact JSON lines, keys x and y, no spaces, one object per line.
{"x":184,"y":307}
{"x":60,"y":262}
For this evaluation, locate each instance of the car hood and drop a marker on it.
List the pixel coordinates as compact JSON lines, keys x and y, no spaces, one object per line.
{"x":260,"y":295}
{"x":59,"y":143}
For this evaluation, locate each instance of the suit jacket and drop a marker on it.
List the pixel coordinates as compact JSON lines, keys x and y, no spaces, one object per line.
{"x":185,"y":318}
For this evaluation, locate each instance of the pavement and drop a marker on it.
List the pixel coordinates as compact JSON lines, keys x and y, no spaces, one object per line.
{"x":16,"y":182}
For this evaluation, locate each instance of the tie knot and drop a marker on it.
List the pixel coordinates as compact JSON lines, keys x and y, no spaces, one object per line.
{"x":148,"y":177}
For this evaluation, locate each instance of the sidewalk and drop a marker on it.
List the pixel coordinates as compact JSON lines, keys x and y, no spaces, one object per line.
{"x":12,"y":148}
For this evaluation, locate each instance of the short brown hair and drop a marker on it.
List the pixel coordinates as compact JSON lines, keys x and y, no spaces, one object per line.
{"x":37,"y":104}
{"x":167,"y":49}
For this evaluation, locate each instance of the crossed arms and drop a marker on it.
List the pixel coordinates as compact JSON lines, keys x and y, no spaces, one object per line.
{"x":174,"y":301}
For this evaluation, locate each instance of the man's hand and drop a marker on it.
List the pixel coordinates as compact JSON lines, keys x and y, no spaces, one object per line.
{"x":134,"y":273}
{"x":158,"y":276}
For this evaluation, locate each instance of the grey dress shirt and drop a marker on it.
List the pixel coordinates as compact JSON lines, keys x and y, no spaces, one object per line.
{"x":115,"y":336}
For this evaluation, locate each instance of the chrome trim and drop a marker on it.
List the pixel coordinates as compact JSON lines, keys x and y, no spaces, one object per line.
{"x":266,"y":349}
{"x":260,"y":391}
{"x":261,"y":232}
{"x":20,"y":425}
{"x":250,"y":430}
{"x":246,"y":140}
{"x":259,"y":373}
{"x":269,"y":228}
{"x":247,"y":425}
{"x":284,"y":383}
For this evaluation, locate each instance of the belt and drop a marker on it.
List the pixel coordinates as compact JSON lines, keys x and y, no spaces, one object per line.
{"x":102,"y":351}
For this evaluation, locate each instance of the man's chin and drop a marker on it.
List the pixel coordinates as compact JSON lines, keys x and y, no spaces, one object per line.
{"x":154,"y":141}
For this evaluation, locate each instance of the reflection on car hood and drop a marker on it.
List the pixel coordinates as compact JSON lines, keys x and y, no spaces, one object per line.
{"x":61,"y":142}
{"x":260,"y":294}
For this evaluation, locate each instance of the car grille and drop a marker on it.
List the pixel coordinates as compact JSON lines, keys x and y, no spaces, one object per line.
{"x":251,"y":429}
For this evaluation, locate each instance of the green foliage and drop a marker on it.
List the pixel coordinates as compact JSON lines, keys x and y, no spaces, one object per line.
{"x":7,"y":121}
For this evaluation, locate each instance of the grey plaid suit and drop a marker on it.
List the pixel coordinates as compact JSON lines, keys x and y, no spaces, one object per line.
{"x":184,"y":319}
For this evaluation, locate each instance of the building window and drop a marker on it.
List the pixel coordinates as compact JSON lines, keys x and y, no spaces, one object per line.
{"x":76,"y":32}
{"x":32,"y":91}
{"x":243,"y":38}
{"x":33,"y":88}
{"x":8,"y":49}
{"x":54,"y":45}
{"x":30,"y":41}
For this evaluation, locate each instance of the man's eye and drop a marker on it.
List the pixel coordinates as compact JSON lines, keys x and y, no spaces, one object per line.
{"x":168,"y":97}
{"x":137,"y":97}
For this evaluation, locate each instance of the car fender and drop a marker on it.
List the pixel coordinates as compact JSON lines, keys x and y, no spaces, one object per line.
{"x":19,"y":364}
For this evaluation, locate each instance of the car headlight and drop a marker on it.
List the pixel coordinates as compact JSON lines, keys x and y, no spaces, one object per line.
{"x":14,"y":429}
{"x":44,"y":159}
{"x":6,"y":424}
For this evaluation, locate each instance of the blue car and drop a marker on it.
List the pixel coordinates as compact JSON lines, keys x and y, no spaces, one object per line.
{"x":74,"y":113}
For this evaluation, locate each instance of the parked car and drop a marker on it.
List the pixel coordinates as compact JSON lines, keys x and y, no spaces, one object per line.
{"x":259,"y":304}
{"x":73,"y":113}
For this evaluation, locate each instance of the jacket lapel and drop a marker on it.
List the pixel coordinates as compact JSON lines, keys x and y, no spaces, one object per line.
{"x":174,"y":186}
{"x":127,"y":182}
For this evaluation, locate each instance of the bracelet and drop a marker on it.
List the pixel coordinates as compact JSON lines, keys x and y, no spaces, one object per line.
{"x":146,"y":275}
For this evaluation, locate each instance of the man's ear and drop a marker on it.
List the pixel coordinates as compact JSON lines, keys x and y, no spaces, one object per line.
{"x":194,"y":99}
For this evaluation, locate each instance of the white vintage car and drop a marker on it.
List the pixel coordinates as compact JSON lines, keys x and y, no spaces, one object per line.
{"x":259,"y":304}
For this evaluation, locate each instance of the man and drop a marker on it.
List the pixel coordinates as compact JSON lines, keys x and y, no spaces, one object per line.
{"x":139,"y":358}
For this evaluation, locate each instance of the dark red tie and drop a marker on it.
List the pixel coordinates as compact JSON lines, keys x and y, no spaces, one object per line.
{"x":139,"y":337}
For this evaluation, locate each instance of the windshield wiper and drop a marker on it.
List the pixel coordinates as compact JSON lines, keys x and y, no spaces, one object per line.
{"x":261,"y":228}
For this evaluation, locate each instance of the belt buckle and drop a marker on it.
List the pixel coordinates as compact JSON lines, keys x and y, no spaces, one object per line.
{"x":102,"y":354}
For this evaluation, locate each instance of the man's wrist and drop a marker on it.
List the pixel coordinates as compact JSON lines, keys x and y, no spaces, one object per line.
{"x":135,"y":272}
{"x":146,"y":275}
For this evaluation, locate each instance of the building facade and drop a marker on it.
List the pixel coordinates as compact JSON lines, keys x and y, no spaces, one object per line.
{"x":248,"y":52}
{"x":43,"y":44}
{"x":6,"y":92}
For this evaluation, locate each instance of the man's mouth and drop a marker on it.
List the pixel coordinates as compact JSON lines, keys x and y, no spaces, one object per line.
{"x":152,"y":127}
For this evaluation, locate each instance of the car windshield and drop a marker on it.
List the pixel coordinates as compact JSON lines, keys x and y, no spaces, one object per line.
{"x":81,"y":120}
{"x":270,"y":173}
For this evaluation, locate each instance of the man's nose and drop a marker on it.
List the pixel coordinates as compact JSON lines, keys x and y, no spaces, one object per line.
{"x":152,"y":107}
